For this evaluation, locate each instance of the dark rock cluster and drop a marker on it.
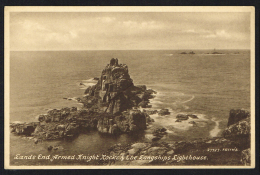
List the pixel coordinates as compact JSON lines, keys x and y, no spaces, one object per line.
{"x":59,"y":123}
{"x":181,"y":117}
{"x":110,"y":106}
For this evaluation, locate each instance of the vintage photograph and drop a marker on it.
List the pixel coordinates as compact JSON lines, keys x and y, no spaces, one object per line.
{"x":129,"y":87}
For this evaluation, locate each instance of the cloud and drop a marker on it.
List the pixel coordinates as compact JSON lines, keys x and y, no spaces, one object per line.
{"x":197,"y":31}
{"x":218,"y":34}
{"x":36,"y":31}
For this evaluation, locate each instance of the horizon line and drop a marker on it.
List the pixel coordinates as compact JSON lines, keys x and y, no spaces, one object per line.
{"x":119,"y":50}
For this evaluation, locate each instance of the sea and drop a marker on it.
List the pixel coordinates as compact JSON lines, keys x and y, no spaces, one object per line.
{"x":207,"y":85}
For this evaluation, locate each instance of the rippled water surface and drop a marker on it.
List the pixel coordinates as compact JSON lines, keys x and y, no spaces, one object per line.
{"x":202,"y":84}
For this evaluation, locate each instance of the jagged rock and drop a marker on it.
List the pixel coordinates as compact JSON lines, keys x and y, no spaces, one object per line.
{"x":243,"y":127}
{"x":138,"y":119}
{"x":246,"y":156}
{"x":178,"y":120}
{"x":158,"y":132}
{"x":115,"y":91}
{"x":237,"y":115}
{"x":41,"y":118}
{"x":50,"y":148}
{"x":23,"y":128}
{"x":182,"y":117}
{"x":150,"y":91}
{"x":61,"y":127}
{"x":164,"y":112}
{"x":143,"y":104}
{"x":114,"y":129}
{"x":48,"y":118}
{"x":90,"y":90}
{"x":105,"y":102}
{"x":239,"y":124}
{"x":72,"y":129}
{"x":150,"y":112}
{"x":142,"y":87}
{"x":148,"y":118}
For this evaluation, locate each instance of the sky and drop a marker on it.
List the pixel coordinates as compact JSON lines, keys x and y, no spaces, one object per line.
{"x":128,"y":30}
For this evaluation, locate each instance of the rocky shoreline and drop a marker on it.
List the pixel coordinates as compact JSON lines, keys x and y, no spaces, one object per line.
{"x":115,"y":106}
{"x":233,"y":148}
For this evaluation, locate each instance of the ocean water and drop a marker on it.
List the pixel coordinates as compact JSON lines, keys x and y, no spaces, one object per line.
{"x":203,"y":84}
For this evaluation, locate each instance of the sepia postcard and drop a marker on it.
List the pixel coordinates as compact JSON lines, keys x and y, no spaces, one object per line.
{"x":129,"y":87}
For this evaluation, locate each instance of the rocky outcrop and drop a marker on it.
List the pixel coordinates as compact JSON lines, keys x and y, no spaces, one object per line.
{"x":59,"y":123}
{"x":236,"y":115}
{"x":216,"y":151}
{"x":240,"y":128}
{"x":239,"y":125}
{"x":23,"y":128}
{"x":108,"y":107}
{"x":115,"y":91}
{"x":172,"y":153}
{"x":246,"y":157}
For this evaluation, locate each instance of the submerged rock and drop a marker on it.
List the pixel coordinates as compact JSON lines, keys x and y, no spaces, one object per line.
{"x":163,"y":112}
{"x":182,"y":117}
